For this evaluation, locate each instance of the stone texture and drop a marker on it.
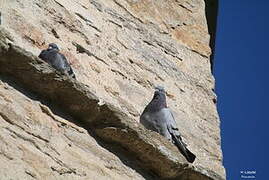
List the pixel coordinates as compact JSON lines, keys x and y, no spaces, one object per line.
{"x":119,"y":50}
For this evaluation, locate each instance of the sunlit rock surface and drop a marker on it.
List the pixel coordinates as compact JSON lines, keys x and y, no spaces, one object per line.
{"x":56,"y":128}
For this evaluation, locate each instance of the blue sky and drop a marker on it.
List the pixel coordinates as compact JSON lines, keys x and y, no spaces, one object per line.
{"x":242,"y":85}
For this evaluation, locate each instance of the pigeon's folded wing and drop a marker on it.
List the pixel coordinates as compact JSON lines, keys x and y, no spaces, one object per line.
{"x":177,"y":140}
{"x":172,"y":125}
{"x":67,"y":66}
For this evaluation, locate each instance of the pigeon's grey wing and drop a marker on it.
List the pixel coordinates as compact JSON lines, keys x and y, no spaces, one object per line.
{"x":59,"y":61}
{"x":173,"y":124}
{"x":173,"y":130}
{"x":64,"y":60}
{"x":67,"y":66}
{"x":56,"y":60}
{"x":50,"y":56}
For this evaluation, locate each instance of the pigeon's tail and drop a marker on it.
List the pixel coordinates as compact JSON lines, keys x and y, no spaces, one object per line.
{"x":186,"y":153}
{"x":71,"y":73}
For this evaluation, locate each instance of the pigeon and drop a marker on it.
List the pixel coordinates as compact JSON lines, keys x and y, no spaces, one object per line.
{"x":57,"y":60}
{"x":159,"y":118}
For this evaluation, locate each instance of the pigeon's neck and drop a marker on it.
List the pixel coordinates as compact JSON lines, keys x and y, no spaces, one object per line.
{"x":157,"y":103}
{"x":51,"y":50}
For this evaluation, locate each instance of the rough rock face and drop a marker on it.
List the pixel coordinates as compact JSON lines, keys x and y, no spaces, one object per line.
{"x":53,"y":127}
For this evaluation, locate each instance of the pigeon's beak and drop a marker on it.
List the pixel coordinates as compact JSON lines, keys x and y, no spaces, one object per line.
{"x":49,"y":47}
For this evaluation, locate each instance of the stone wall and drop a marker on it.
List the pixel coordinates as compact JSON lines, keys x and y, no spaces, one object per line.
{"x":56,"y":128}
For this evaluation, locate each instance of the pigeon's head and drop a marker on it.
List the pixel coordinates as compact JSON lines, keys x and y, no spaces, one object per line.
{"x":159,"y":99}
{"x":53,"y":46}
{"x":159,"y":89}
{"x":159,"y":92}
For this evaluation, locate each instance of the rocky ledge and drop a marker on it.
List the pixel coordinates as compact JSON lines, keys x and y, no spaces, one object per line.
{"x":104,"y":121}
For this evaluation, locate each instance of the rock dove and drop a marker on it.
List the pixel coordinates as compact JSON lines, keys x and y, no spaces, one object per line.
{"x":57,"y":60}
{"x":159,"y":118}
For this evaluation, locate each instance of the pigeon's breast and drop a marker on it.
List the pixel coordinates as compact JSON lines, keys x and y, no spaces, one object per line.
{"x":155,"y":121}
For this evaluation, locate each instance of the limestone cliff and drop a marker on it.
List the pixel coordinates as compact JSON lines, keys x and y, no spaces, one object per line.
{"x":53,"y":127}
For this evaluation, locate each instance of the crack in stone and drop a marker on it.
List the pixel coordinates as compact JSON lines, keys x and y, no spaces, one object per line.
{"x":12,"y":123}
{"x":58,"y":161}
{"x":81,"y":49}
{"x":126,"y":10}
{"x":184,"y":7}
{"x":97,"y":5}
